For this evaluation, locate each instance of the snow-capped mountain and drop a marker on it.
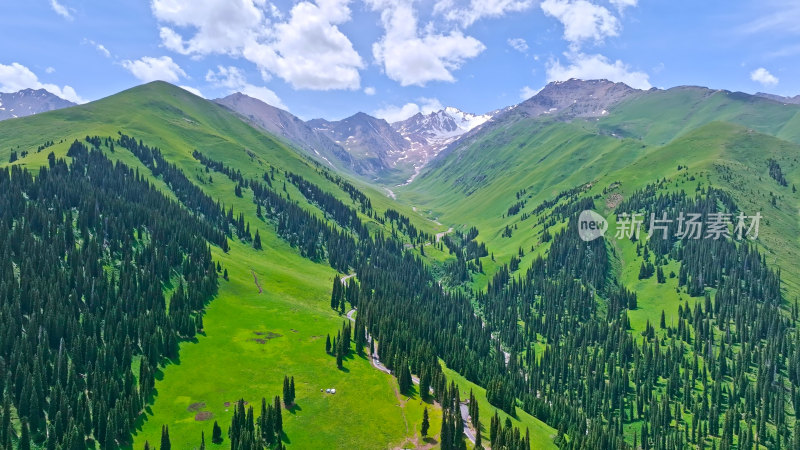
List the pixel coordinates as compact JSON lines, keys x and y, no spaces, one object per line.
{"x":28,"y":102}
{"x":428,"y":134}
{"x":441,"y":125}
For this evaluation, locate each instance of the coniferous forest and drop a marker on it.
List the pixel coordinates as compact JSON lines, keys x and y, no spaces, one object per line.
{"x":87,"y":248}
{"x":90,"y":244}
{"x":107,"y":276}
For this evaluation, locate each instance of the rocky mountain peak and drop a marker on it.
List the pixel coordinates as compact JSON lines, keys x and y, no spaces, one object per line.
{"x":576,"y":98}
{"x":28,"y":102}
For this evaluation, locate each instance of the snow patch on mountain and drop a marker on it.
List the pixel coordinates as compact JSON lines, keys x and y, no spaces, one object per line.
{"x":429,"y":134}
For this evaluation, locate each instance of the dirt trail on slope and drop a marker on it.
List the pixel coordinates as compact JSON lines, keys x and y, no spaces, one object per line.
{"x":255,"y":277}
{"x":443,"y":233}
{"x":464,"y":416}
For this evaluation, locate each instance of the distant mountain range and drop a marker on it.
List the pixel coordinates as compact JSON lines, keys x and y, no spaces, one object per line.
{"x":362,"y":143}
{"x":289,"y":127}
{"x":793,"y":100}
{"x":28,"y":102}
{"x":395,"y":153}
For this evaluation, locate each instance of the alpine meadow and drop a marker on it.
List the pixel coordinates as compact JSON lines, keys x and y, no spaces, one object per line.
{"x":284,"y":229}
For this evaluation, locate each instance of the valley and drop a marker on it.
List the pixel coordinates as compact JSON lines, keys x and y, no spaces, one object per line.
{"x":416,"y":265}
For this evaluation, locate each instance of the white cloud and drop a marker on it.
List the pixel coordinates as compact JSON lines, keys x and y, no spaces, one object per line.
{"x":528,"y":92}
{"x":16,"y":77}
{"x":411,"y":57}
{"x":61,"y":10}
{"x":395,"y":113}
{"x":222,"y":26}
{"x":308,"y":50}
{"x":590,"y":67}
{"x":234,"y":80}
{"x":50,"y":70}
{"x":102,"y":49}
{"x":99,"y":47}
{"x":583,"y":21}
{"x":777,"y":17}
{"x":264,"y":94}
{"x":229,"y":77}
{"x":622,"y":4}
{"x":518,"y":44}
{"x":369,"y":90}
{"x":149,"y":69}
{"x":194,"y":91}
{"x":479,"y":9}
{"x":762,"y":75}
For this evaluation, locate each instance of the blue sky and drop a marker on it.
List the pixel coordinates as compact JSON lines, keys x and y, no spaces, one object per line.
{"x":392,"y":58}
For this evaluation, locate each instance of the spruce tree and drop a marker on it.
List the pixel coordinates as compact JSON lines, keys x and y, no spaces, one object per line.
{"x":25,"y":438}
{"x":425,"y":422}
{"x":424,"y":384}
{"x":287,"y":392}
{"x":278,"y":416}
{"x":216,"y":434}
{"x":165,"y":444}
{"x":404,"y":377}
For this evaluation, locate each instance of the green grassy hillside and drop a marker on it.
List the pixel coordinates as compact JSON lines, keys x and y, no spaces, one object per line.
{"x":230,"y":360}
{"x":518,"y":182}
{"x":724,"y":135}
{"x":661,"y":116}
{"x":228,"y":363}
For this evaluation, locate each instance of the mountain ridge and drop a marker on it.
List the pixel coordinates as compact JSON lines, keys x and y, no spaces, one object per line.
{"x":371,"y":140}
{"x":289,"y":127}
{"x":431,"y":133}
{"x":28,"y":102}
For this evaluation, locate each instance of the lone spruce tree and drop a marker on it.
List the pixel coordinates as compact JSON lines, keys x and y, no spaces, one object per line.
{"x":165,"y":444}
{"x":216,"y":434}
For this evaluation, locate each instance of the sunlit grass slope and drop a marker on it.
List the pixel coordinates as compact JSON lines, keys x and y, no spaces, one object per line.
{"x":228,"y":363}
